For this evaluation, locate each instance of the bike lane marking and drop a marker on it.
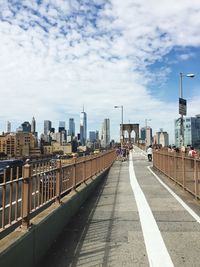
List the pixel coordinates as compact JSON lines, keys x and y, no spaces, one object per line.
{"x":184,"y":205}
{"x":156,"y":250}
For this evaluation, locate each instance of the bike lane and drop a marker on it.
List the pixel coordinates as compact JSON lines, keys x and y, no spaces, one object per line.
{"x":176,"y":240}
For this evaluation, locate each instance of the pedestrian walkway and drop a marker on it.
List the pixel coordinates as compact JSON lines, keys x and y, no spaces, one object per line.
{"x":131,"y":220}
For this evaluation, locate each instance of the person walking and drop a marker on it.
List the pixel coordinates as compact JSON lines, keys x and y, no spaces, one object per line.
{"x":149,"y":153}
{"x":192,"y":152}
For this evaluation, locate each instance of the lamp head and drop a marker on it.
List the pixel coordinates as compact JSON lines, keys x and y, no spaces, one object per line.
{"x":191,"y":75}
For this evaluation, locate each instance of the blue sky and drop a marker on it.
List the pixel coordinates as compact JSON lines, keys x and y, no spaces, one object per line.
{"x":57,"y":55}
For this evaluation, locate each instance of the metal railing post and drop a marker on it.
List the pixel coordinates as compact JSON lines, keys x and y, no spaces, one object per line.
{"x":58,"y":180}
{"x":196,"y":179}
{"x":74,"y":173}
{"x":26,"y":195}
{"x":84,"y":171}
{"x":183,"y":169}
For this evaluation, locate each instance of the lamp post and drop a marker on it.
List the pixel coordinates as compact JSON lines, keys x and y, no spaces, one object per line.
{"x":183,"y":112}
{"x":121,"y":129}
{"x":146,"y":120}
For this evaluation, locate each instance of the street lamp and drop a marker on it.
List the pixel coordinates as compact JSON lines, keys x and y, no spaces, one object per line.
{"x":182,"y":105}
{"x":121,"y":130}
{"x":146,"y":120}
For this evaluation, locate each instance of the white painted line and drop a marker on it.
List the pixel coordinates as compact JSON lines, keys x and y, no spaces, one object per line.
{"x":156,"y":250}
{"x":185,"y":206}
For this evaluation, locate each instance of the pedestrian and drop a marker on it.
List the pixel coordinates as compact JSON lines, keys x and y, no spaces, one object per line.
{"x":192,"y":152}
{"x":149,"y":153}
{"x":118,"y":152}
{"x":169,"y":149}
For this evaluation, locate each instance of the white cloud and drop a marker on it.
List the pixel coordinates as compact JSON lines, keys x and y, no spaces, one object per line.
{"x":83,"y":55}
{"x":186,"y":56}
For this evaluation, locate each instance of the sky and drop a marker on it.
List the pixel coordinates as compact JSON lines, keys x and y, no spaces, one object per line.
{"x":58,"y":55}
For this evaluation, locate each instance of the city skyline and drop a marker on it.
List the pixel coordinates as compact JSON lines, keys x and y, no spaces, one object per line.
{"x":55,"y":56}
{"x":48,"y":124}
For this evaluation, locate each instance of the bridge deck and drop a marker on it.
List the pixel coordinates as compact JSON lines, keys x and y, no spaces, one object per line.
{"x":124,"y":225}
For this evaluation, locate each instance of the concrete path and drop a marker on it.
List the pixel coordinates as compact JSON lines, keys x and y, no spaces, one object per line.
{"x":131,"y":220}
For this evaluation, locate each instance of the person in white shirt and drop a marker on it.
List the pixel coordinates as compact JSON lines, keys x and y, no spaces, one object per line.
{"x":149,"y":153}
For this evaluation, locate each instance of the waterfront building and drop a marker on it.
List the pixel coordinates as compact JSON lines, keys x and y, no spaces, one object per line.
{"x":19,"y":144}
{"x":8,"y":144}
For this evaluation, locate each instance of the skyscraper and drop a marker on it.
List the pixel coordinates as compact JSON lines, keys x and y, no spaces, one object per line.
{"x":146,"y":135}
{"x":62,"y":124}
{"x":92,"y":136}
{"x":47,"y":126}
{"x":61,"y":127}
{"x":83,"y":128}
{"x":33,"y":123}
{"x":71,"y":130}
{"x":105,"y":135}
{"x":191,"y":126}
{"x":8,"y":126}
{"x":162,"y":138}
{"x":26,"y":127}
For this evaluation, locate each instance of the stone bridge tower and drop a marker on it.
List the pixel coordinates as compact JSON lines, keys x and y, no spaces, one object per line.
{"x":129,"y":128}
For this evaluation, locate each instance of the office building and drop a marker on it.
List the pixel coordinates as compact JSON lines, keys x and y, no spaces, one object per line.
{"x":26,"y":127}
{"x":191,"y":126}
{"x":83,"y":128}
{"x":33,"y":125}
{"x":92,"y":136}
{"x":71,"y":130}
{"x":19,"y":144}
{"x":62,"y":124}
{"x":8,"y":127}
{"x":162,"y":138}
{"x":105,"y":133}
{"x":146,"y":135}
{"x":61,"y":127}
{"x":47,"y":126}
{"x":143,"y":134}
{"x":97,"y":136}
{"x":8,"y":144}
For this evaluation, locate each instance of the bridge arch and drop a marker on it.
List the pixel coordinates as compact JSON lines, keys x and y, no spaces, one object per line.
{"x":129,"y":128}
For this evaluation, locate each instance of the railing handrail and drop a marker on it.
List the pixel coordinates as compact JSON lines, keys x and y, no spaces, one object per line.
{"x":179,"y":167}
{"x":37,"y":189}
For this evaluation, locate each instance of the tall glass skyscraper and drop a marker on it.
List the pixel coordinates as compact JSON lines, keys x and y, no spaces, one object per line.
{"x":191,"y":127}
{"x":83,"y":128}
{"x":47,"y":126}
{"x":61,"y":127}
{"x":62,"y":124}
{"x":71,"y":130}
{"x":26,"y":127}
{"x":33,"y":125}
{"x":105,"y":133}
{"x":92,"y":136}
{"x":8,"y":126}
